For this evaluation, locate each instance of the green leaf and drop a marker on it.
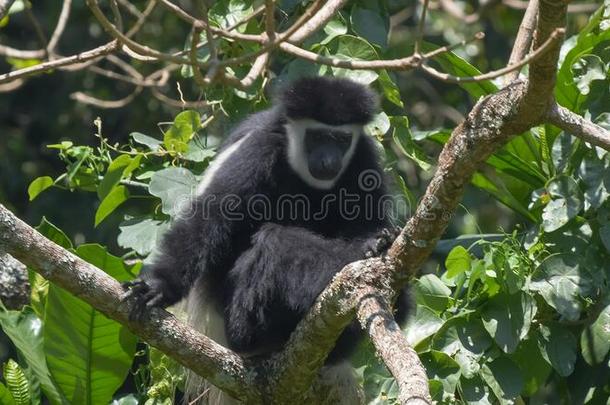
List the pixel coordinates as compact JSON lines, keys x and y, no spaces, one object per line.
{"x":88,"y":354}
{"x":507,"y":318}
{"x":595,"y":338}
{"x":39,"y":185}
{"x":349,"y":47}
{"x":458,"y":66}
{"x":17,"y":383}
{"x":423,"y":324}
{"x":566,"y":204}
{"x":504,"y":378}
{"x":474,"y":391}
{"x":587,"y":69}
{"x":604,"y":234}
{"x":592,"y":173}
{"x":404,"y":140}
{"x":185,"y":125}
{"x":6,"y":398}
{"x":439,"y":366}
{"x":369,"y":25}
{"x":116,"y":197}
{"x":175,"y":187}
{"x":390,"y":88}
{"x":457,"y":262}
{"x":432,"y":292}
{"x":197,"y":152}
{"x":24,"y":329}
{"x":54,"y":234}
{"x":561,"y":279}
{"x":501,"y":193}
{"x":113,"y":175}
{"x":534,"y":369}
{"x":152,"y":143}
{"x":558,"y":347}
{"x":141,"y":235}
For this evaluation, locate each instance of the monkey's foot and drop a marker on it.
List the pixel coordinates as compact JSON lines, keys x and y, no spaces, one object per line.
{"x":378,"y":245}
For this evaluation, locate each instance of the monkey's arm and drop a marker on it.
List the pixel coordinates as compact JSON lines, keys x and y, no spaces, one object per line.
{"x":203,"y":239}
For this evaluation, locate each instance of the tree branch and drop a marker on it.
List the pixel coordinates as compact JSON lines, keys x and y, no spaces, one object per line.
{"x":14,"y":284}
{"x":162,"y":330}
{"x":391,"y":345}
{"x":523,"y":41}
{"x":578,"y":126}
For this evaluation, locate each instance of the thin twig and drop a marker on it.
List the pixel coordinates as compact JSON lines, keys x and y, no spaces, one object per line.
{"x":62,"y":20}
{"x":69,"y":60}
{"x":555,"y":36}
{"x":420,"y":28}
{"x":572,"y":8}
{"x":523,"y":42}
{"x":106,"y":104}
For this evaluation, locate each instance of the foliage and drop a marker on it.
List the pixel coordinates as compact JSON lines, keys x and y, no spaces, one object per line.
{"x":526,"y":317}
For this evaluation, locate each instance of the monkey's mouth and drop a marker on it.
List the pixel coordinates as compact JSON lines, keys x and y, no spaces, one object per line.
{"x":325,"y":162}
{"x":325,"y":151}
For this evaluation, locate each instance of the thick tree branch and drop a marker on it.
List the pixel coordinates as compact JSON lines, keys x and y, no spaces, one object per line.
{"x":162,"y":330}
{"x":578,"y":126}
{"x":391,"y":344}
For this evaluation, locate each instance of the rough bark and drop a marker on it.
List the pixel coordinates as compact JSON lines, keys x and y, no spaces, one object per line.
{"x":14,"y":284}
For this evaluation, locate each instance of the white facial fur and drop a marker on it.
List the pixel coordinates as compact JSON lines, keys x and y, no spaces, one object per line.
{"x":295,"y":130}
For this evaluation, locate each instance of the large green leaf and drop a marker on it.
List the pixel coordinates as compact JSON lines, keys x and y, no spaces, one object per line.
{"x":534,"y":369}
{"x":432,"y":292}
{"x":141,"y":235}
{"x":116,"y":197}
{"x":507,"y":318}
{"x":174,"y":186}
{"x":349,"y":47}
{"x":24,"y":329}
{"x":439,"y":366}
{"x":590,"y":40}
{"x":504,"y":378}
{"x":88,"y":354}
{"x":562,"y":279}
{"x":595,"y":338}
{"x":558,"y":346}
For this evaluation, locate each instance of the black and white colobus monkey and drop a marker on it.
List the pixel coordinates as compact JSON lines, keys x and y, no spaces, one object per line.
{"x":255,"y":273}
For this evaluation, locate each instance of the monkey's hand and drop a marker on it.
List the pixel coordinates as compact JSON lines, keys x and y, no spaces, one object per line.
{"x":147,"y":293}
{"x":380,"y":243}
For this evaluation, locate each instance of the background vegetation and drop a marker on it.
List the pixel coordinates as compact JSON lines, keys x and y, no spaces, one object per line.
{"x":522,"y":315}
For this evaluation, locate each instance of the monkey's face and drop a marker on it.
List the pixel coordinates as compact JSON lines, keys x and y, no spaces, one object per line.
{"x":319,"y":153}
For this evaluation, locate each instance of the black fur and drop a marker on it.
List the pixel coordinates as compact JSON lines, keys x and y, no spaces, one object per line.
{"x":266,"y":273}
{"x":337,"y":101}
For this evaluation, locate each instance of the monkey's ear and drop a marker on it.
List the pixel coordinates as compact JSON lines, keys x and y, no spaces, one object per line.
{"x":331,"y":100}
